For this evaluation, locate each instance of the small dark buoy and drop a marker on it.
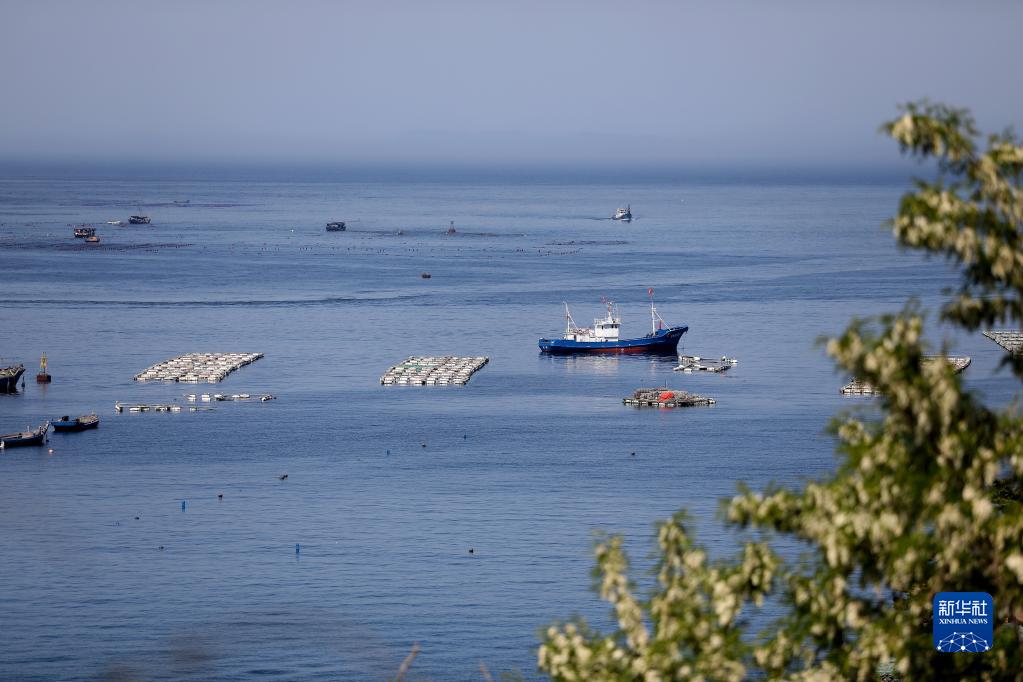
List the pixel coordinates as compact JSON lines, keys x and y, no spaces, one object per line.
{"x":388,"y":452}
{"x":426,"y":275}
{"x":633,"y":453}
{"x":182,"y":505}
{"x":220,"y":496}
{"x":161,"y":548}
{"x":136,"y":518}
{"x":472,"y":551}
{"x":465,"y":436}
{"x":283,"y":477}
{"x":297,"y":548}
{"x":423,"y":443}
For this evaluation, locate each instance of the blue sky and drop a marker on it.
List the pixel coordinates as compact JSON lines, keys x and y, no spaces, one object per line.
{"x":757,"y":83}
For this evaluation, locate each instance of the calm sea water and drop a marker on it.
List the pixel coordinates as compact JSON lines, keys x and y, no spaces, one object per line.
{"x":523,"y":465}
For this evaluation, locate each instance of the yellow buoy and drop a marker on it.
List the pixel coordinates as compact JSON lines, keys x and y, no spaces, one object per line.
{"x":43,"y":377}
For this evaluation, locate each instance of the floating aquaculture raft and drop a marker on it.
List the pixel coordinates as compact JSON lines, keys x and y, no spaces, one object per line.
{"x":433,"y":371}
{"x":859,"y":387}
{"x":121,"y":407}
{"x":1011,"y":341}
{"x":197,"y":367}
{"x":666,"y":397}
{"x":694,"y":363}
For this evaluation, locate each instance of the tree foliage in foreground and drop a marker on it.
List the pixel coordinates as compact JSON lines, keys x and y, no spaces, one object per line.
{"x":924,"y":500}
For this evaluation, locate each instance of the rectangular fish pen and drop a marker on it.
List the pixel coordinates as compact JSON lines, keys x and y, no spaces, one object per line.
{"x":445,"y":370}
{"x":1010,"y":340}
{"x":197,"y":367}
{"x":958,"y":363}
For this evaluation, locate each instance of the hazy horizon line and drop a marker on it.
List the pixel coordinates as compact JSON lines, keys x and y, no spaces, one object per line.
{"x":899,"y":169}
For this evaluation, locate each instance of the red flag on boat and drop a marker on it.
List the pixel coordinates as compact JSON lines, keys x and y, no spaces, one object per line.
{"x":650,"y":291}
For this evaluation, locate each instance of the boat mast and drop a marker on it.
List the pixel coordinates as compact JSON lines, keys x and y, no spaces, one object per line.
{"x":569,"y":322}
{"x":656,"y":321}
{"x":653,"y":311}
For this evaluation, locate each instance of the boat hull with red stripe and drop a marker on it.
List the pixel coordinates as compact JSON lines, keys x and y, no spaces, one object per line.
{"x":663,"y":342}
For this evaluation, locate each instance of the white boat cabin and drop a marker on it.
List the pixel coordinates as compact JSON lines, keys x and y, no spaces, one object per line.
{"x":607,"y":328}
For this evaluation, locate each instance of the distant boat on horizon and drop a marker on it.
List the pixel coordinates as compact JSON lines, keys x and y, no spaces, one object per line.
{"x":623,"y":214}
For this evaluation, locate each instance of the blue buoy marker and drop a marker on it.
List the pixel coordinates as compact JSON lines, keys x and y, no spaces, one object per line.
{"x":298,"y":548}
{"x":182,"y":505}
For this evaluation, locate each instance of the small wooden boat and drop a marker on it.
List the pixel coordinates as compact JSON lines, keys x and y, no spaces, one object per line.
{"x":92,"y":239}
{"x":336,"y":226}
{"x":29,"y":437}
{"x":66,"y":423}
{"x":84,"y":231}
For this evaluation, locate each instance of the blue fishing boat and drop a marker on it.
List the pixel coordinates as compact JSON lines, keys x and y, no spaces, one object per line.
{"x":66,"y":423}
{"x":27,"y":437}
{"x":604,"y":336}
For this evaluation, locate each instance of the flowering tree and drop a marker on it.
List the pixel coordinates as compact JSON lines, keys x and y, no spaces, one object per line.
{"x":924,"y":500}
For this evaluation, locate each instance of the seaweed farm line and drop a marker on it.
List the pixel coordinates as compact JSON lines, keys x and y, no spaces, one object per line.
{"x":433,"y":371}
{"x":120,"y":407}
{"x":197,"y":367}
{"x":219,"y":397}
{"x":666,"y":397}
